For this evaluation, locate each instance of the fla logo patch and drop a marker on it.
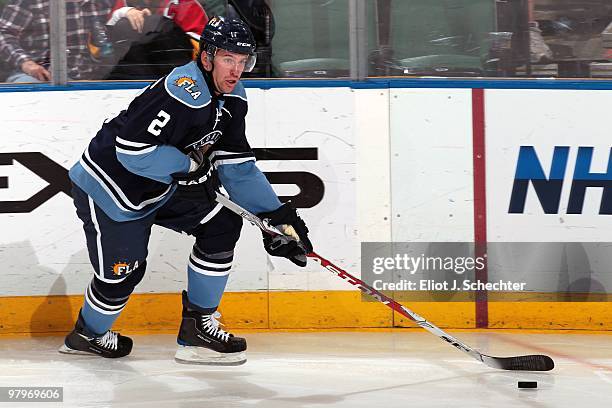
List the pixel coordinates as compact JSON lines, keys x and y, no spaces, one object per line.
{"x":124,"y":268}
{"x":189,"y":85}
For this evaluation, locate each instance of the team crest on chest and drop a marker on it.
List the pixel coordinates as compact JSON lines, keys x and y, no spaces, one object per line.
{"x":189,"y":85}
{"x":207,"y":139}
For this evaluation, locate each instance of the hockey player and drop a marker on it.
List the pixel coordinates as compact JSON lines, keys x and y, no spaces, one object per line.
{"x":161,"y":161}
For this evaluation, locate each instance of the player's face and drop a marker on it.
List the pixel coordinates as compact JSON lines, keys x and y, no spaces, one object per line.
{"x":229,"y":66}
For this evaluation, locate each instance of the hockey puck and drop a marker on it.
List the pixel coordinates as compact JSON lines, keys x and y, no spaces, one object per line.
{"x":527,"y":384}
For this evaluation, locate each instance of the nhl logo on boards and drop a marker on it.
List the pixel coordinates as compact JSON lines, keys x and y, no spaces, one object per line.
{"x":190,"y":85}
{"x":124,"y":268}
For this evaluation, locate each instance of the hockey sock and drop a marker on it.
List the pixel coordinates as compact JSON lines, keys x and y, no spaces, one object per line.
{"x":99,"y":313}
{"x":207,"y":277}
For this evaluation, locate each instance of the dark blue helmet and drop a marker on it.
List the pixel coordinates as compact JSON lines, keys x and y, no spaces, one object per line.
{"x":232,"y":35}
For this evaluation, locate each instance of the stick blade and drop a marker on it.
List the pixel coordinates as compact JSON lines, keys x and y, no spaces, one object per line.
{"x":536,"y":362}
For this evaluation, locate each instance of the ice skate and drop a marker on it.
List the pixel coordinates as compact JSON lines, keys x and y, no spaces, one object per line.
{"x":107,"y":345}
{"x":202,"y":341}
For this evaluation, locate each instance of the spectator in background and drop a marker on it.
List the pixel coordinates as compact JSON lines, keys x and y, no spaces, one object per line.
{"x":25,"y":35}
{"x":539,"y":51}
{"x":189,"y":15}
{"x":150,"y":37}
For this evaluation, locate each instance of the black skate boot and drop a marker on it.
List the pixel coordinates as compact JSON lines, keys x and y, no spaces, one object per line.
{"x":109,"y":345}
{"x":202,"y":341}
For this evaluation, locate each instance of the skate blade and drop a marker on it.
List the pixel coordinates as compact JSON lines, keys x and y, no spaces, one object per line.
{"x":204,"y":356}
{"x":64,"y":349}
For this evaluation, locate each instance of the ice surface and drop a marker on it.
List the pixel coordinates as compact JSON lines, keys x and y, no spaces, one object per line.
{"x":394,"y":368}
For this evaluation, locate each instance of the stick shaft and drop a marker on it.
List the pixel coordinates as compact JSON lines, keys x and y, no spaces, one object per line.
{"x":364,"y":287}
{"x":529,"y":362}
{"x":404,"y":311}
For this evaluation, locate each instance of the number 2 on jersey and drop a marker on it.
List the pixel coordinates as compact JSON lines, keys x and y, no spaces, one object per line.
{"x":162,"y":120}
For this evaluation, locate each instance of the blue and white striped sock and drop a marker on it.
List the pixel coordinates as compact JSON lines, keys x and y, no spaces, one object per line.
{"x":207,"y":277}
{"x":99,"y":313}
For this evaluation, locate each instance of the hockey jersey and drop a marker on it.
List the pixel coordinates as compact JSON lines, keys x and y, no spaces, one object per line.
{"x":128,"y":166}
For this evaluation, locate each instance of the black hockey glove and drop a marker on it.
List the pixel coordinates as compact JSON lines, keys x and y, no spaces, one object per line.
{"x":192,"y":185}
{"x":288,"y":221}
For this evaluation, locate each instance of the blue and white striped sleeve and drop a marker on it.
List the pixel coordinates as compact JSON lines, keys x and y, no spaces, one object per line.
{"x":157,"y":162}
{"x":245,"y":183}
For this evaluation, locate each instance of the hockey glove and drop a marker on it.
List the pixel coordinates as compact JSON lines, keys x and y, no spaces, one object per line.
{"x":295,"y":244}
{"x":192,"y":185}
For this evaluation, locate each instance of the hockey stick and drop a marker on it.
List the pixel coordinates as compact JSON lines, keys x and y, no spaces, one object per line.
{"x":526,"y":363}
